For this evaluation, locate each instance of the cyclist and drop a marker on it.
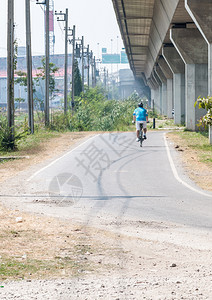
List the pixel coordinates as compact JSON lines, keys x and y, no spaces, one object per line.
{"x":140,"y":115}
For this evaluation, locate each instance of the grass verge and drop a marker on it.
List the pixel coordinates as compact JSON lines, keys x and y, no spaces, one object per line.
{"x":196,"y":155}
{"x":197,"y":141}
{"x":31,"y":141}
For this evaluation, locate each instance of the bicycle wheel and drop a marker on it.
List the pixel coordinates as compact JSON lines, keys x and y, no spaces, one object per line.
{"x":141,"y":134}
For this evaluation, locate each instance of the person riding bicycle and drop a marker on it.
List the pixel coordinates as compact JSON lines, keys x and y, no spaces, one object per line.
{"x":140,"y":115}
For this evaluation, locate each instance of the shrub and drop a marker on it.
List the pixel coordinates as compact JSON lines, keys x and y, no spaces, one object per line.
{"x":205,"y":103}
{"x":93,"y":112}
{"x":8,"y":140}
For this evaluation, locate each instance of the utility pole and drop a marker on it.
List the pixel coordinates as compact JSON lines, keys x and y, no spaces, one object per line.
{"x":47,"y":66}
{"x":73,"y":61}
{"x":88,"y":67}
{"x":47,"y":71}
{"x":66,"y":63}
{"x":92,"y":69}
{"x":94,"y":66}
{"x":65,"y":18}
{"x":51,"y":28}
{"x":29,"y":68}
{"x":10,"y":69}
{"x":105,"y":80}
{"x":83,"y":65}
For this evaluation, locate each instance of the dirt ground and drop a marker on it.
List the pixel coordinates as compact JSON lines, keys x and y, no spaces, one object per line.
{"x":59,"y":259}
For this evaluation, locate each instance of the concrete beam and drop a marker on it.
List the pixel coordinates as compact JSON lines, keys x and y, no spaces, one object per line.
{"x":165,"y":68}
{"x":149,"y":64}
{"x":162,"y":17}
{"x":173,"y":59}
{"x":151,"y":84}
{"x":154,"y":82}
{"x":190,"y":45}
{"x":160,"y":73}
{"x":156,"y":78}
{"x":201,"y":14}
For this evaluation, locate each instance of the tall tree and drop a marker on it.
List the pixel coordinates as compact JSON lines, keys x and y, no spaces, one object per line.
{"x":10,"y":69}
{"x":77,"y":79}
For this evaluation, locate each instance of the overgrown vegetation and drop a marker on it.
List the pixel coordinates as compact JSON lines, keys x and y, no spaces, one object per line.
{"x":93,"y":112}
{"x":6,"y":140}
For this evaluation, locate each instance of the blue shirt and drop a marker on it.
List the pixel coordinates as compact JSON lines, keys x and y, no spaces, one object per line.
{"x":140,"y":114}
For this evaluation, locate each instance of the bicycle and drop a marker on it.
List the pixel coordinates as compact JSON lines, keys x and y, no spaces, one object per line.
{"x":141,"y":137}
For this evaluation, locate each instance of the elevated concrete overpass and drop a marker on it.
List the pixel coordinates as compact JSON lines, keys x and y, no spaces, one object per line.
{"x":169,"y":47}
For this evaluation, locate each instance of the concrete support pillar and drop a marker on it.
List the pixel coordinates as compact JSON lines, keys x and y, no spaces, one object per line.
{"x":210,"y":134}
{"x":155,"y":95}
{"x":210,"y":69}
{"x":158,"y":103}
{"x":201,"y":15}
{"x":177,"y":66}
{"x":163,"y":79}
{"x":193,"y":49}
{"x":169,"y":98}
{"x":179,"y":98}
{"x":152,"y":97}
{"x":152,"y":87}
{"x":169,"y":76}
{"x":164,"y":99}
{"x":196,"y":85}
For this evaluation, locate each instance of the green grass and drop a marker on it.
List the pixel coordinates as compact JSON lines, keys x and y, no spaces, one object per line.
{"x":35,"y":139}
{"x":82,"y":249}
{"x":31,"y":141}
{"x":163,"y":123}
{"x":199,"y":142}
{"x":16,"y":268}
{"x":11,"y":268}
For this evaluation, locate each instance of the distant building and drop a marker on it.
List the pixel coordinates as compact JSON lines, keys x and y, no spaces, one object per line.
{"x":20,"y":91}
{"x":127,"y":83}
{"x":21,"y":51}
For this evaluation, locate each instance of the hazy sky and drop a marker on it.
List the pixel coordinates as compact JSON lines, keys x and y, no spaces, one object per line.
{"x":94,"y":19}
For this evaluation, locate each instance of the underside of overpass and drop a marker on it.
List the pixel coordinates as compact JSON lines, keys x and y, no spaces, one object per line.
{"x":168,"y":44}
{"x":144,"y":25}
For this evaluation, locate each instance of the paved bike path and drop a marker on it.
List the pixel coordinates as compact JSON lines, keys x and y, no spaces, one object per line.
{"x":110,"y":174}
